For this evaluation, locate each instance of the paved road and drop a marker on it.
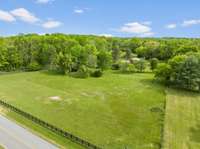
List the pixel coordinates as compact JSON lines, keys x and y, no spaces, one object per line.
{"x":13,"y":136}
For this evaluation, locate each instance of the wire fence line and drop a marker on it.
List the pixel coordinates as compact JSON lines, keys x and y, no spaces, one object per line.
{"x":51,"y":127}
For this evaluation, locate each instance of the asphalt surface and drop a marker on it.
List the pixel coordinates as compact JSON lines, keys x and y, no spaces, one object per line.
{"x":13,"y":136}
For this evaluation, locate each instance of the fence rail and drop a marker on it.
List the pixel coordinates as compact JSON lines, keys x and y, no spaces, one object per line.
{"x":51,"y":127}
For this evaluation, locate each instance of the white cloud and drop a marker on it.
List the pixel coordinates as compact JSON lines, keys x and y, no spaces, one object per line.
{"x":137,"y":28}
{"x":147,"y":23}
{"x":24,"y":15}
{"x":78,"y":11}
{"x":105,"y":35}
{"x":187,"y":23}
{"x":149,"y":34}
{"x":171,"y":26}
{"x":44,"y":1}
{"x":51,"y":24}
{"x":6,"y":16}
{"x":41,"y":33}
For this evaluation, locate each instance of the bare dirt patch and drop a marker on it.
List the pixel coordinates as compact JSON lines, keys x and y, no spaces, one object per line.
{"x":55,"y":98}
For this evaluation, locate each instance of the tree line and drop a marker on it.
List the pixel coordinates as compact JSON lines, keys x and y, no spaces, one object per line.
{"x":174,"y":60}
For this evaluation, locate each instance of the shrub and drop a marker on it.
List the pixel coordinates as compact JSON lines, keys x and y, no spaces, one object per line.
{"x":83,"y":72}
{"x":153,"y":63}
{"x":126,"y":67}
{"x":182,"y":71}
{"x":104,"y":60}
{"x":140,"y":65}
{"x":64,"y":62}
{"x":163,"y":72}
{"x":115,"y":66}
{"x":33,"y":66}
{"x":97,"y":73}
{"x":131,"y":68}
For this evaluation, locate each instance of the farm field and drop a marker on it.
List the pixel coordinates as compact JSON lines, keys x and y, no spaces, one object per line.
{"x":100,"y":74}
{"x":182,"y":129}
{"x":116,"y":111}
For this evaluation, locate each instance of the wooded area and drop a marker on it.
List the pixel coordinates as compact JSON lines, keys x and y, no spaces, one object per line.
{"x":175,"y":60}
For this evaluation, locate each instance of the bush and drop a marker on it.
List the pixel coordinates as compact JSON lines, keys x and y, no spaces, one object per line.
{"x":131,"y":68}
{"x":83,"y":72}
{"x":33,"y":66}
{"x":115,"y":66}
{"x":182,"y":71}
{"x":126,"y":67}
{"x":163,"y":72}
{"x":97,"y":73}
{"x":104,"y":60}
{"x":140,"y":65}
{"x":153,"y":63}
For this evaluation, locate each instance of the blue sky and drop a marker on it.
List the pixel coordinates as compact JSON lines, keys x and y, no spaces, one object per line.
{"x":142,"y":18}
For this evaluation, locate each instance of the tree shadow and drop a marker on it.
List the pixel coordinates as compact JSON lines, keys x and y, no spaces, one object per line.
{"x":195,"y":133}
{"x":183,"y":92}
{"x":123,"y":73}
{"x":152,"y":82}
{"x":57,"y":73}
{"x":52,"y":73}
{"x":129,"y":73}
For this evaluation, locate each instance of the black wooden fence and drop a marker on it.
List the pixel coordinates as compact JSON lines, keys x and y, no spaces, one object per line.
{"x":53,"y":128}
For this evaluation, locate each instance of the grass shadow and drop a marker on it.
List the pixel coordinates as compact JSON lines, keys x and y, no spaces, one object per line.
{"x":195,"y":133}
{"x":152,"y":82}
{"x":9,"y":73}
{"x":56,"y":73}
{"x":52,"y":73}
{"x":129,"y":73}
{"x":183,"y":92}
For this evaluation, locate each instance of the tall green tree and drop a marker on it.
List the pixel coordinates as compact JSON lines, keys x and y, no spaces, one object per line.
{"x":104,"y":59}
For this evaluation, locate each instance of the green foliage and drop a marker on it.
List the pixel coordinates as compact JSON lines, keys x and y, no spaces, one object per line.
{"x":67,"y":53}
{"x":115,"y":66}
{"x":3,"y":58}
{"x":149,"y":50}
{"x":186,"y":48}
{"x":163,"y":72}
{"x":13,"y":58}
{"x":134,"y":43}
{"x":182,"y":71}
{"x":33,"y":66}
{"x":104,"y":60}
{"x":64,"y":62}
{"x":83,"y":72}
{"x":116,"y":51}
{"x":141,"y":51}
{"x":140,"y":65}
{"x":96,"y":73}
{"x":153,"y":63}
{"x":176,"y":61}
{"x":127,"y":67}
{"x":161,"y":51}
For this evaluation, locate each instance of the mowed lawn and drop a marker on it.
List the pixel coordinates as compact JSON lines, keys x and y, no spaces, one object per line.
{"x":117,"y":111}
{"x":182,"y":122}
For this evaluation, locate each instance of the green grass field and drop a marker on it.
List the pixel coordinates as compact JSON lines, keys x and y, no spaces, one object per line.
{"x":114,"y":111}
{"x":182,"y":120}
